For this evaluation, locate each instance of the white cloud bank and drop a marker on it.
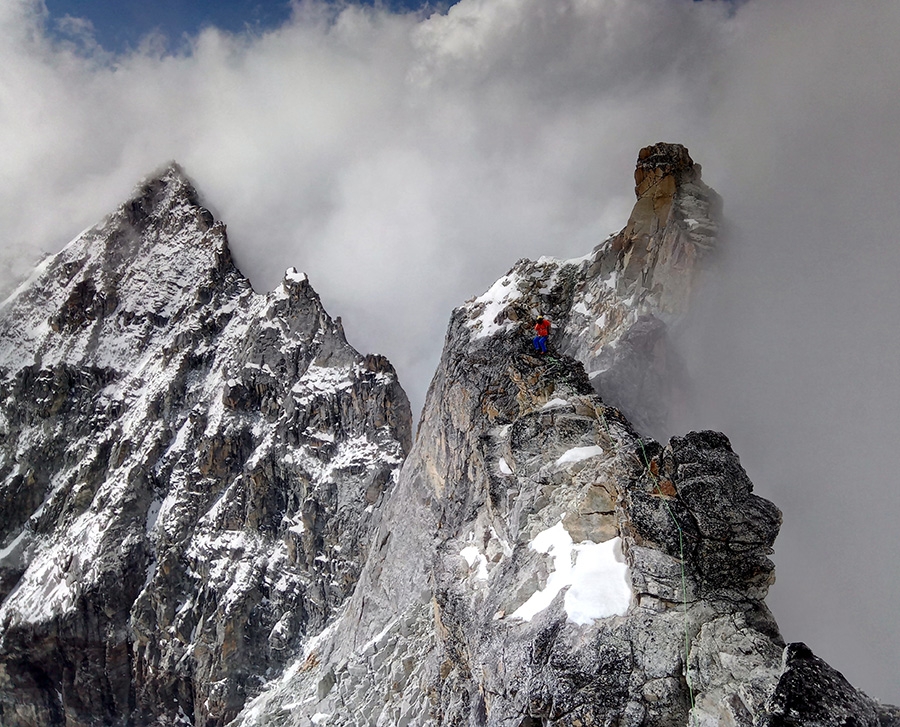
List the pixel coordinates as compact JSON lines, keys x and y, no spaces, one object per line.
{"x":405,"y":163}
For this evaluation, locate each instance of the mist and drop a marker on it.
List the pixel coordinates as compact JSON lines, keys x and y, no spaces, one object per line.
{"x":405,"y":162}
{"x":797,"y":353}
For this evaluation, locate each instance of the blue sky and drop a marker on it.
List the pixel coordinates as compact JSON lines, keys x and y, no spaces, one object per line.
{"x":120,"y":25}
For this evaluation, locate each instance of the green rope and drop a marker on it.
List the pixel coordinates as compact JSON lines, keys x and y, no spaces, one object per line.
{"x":687,"y":642}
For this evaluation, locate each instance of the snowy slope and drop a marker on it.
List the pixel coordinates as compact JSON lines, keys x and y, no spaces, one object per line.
{"x":189,"y":471}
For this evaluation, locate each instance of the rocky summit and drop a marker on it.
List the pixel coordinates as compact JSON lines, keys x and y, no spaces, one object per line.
{"x":213,"y":514}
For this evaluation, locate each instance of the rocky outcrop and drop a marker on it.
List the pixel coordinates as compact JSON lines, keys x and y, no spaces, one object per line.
{"x":189,"y":472}
{"x":541,"y":561}
{"x":617,"y":309}
{"x":577,"y":565}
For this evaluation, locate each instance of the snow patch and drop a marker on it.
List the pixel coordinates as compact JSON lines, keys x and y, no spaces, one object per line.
{"x":14,"y":549}
{"x":504,"y":467}
{"x":507,"y":548}
{"x":493,"y":302}
{"x":320,"y":381}
{"x":473,"y":556}
{"x":581,"y":308}
{"x":179,"y":443}
{"x":50,"y":586}
{"x":577,"y":454}
{"x":152,"y":516}
{"x":294,"y":276}
{"x":589,"y":257}
{"x":376,"y":641}
{"x":554,"y":404}
{"x":595,"y":574}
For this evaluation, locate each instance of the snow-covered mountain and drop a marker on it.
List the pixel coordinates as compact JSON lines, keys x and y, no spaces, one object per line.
{"x":188,"y":476}
{"x":210,"y":516}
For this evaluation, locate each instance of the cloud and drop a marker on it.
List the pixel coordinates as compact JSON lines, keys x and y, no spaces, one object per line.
{"x":406,"y":162}
{"x":796,"y":357}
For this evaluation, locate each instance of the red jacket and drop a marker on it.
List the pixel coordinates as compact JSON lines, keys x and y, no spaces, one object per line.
{"x":542,"y":328}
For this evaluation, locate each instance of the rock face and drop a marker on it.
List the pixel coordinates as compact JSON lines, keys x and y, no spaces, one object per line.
{"x":616,"y":309}
{"x":540,"y":562}
{"x":206,"y":519}
{"x":189,"y":472}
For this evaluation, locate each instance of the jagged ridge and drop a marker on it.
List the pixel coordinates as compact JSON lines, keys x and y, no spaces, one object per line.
{"x":188,"y":472}
{"x":515,"y":451}
{"x":201,"y":473}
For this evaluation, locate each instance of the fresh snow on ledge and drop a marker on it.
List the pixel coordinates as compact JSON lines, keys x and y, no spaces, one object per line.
{"x":556,"y":403}
{"x":493,"y":302}
{"x":473,"y":556}
{"x":294,"y":276}
{"x":595,"y":573}
{"x":577,"y":454}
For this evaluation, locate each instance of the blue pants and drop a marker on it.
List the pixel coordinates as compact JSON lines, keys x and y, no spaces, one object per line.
{"x":540,"y":344}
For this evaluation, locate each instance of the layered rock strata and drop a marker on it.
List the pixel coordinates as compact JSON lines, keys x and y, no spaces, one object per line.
{"x":189,"y":472}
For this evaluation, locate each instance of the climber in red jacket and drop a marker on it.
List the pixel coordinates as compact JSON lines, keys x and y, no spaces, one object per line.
{"x":541,"y":330}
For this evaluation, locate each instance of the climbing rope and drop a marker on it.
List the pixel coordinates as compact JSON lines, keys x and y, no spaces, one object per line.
{"x":687,"y":641}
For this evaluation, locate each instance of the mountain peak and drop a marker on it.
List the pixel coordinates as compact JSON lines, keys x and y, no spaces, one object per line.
{"x":673,"y":226}
{"x":170,"y":173}
{"x":163,"y":191}
{"x":661,"y":160}
{"x":154,"y":258}
{"x":169,"y":436}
